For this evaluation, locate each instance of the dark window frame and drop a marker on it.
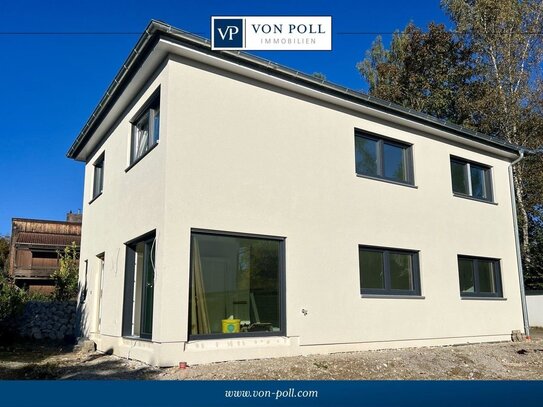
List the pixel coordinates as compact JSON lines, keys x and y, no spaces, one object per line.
{"x":489,"y":187}
{"x":387,"y":291}
{"x":381,"y":141}
{"x":149,"y":240}
{"x":496,"y":271}
{"x":282,"y":286}
{"x":146,"y":114}
{"x":98,"y":176}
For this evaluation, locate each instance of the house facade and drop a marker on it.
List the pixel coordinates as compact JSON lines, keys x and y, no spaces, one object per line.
{"x":35,"y":246}
{"x":237,"y":209}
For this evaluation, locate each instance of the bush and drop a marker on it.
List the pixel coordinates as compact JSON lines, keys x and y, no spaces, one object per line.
{"x":66,"y":277}
{"x":12,"y":298}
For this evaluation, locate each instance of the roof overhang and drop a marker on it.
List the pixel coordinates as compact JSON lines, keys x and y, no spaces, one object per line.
{"x":160,"y":40}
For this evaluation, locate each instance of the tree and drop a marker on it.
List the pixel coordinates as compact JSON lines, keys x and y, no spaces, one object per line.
{"x":4,"y":253}
{"x":506,"y":37}
{"x":425,"y":71}
{"x":485,"y":75}
{"x":66,"y":277}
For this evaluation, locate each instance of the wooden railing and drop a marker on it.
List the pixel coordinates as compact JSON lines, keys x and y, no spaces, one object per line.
{"x":43,"y":272}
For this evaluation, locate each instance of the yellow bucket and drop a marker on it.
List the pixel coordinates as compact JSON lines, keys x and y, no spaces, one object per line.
{"x":230,"y":326}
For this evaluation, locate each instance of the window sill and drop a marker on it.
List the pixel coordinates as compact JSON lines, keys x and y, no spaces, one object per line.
{"x":388,"y":181}
{"x":244,"y":335}
{"x":96,"y":197}
{"x":484,"y":298}
{"x":394,"y":296}
{"x":137,"y":338}
{"x":141,"y":157}
{"x":474,"y":199}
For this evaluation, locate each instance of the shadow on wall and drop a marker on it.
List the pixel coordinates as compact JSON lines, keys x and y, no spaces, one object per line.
{"x":81,"y":318}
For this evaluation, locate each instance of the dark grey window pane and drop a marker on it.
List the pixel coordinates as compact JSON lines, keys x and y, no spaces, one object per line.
{"x":478,"y":189}
{"x":98,"y":182}
{"x":394,"y":162}
{"x":148,"y":278}
{"x":467,"y":281}
{"x":139,"y":289}
{"x":366,"y":156}
{"x":486,"y":277}
{"x":401,"y":271}
{"x":371,"y":269}
{"x":234,"y":277}
{"x":459,"y":177}
{"x":156,"y":124}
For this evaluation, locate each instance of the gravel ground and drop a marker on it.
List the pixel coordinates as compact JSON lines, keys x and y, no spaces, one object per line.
{"x":502,"y":361}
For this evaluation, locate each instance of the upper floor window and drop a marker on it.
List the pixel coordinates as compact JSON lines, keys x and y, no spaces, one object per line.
{"x":471,"y":179}
{"x":389,"y":271}
{"x":98,"y":177}
{"x":384,"y":158}
{"x":145,"y":129}
{"x":479,"y":277}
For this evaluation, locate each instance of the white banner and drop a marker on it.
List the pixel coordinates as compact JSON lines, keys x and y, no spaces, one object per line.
{"x":294,"y":33}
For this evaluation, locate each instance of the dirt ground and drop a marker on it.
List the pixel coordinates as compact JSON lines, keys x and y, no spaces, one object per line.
{"x":502,"y":361}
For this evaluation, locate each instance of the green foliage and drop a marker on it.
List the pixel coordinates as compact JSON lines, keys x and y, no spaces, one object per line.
{"x":66,"y":277}
{"x":426,"y":71}
{"x":38,"y":296}
{"x":4,"y":253}
{"x":319,"y":75}
{"x":533,"y":271}
{"x":12,"y":298}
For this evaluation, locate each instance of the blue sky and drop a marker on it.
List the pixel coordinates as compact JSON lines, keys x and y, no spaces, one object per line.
{"x":50,"y":83}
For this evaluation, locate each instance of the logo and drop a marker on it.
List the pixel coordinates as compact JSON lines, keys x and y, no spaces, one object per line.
{"x":271,"y":33}
{"x":227,"y":33}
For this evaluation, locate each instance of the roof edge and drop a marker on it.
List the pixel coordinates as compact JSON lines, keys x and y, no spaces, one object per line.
{"x":45,"y":221}
{"x":156,"y":27}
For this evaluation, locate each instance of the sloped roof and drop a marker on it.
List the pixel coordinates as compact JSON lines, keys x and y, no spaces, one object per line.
{"x":157,"y":30}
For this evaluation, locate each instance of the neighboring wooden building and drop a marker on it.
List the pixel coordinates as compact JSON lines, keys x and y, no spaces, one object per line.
{"x":34,"y":249}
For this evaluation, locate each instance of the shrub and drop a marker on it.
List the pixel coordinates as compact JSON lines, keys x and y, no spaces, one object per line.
{"x":12,"y":298}
{"x":66,"y":277}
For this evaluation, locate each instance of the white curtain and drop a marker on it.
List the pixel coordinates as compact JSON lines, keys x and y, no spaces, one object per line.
{"x":199,"y":314}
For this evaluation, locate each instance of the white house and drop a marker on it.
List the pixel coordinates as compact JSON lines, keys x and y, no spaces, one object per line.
{"x":236,"y":209}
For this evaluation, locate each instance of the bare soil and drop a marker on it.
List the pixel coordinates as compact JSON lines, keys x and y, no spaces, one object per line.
{"x":490,"y":361}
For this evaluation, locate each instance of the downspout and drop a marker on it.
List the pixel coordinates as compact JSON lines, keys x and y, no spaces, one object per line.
{"x":517,"y":245}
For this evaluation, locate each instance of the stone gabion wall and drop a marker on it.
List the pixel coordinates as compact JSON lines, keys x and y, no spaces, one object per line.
{"x":54,"y":320}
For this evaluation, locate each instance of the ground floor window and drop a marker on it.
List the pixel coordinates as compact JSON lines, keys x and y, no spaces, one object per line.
{"x":388,"y":271}
{"x":479,"y":277}
{"x":139,"y":287}
{"x":236,"y":285}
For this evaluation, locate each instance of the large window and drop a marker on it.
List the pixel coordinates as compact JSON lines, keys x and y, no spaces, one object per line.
{"x":98,"y":176}
{"x":389,"y":271}
{"x":471,"y":179}
{"x":139,"y":287}
{"x":479,"y":277}
{"x":145,"y":129}
{"x":380,"y":157}
{"x":236,"y":285}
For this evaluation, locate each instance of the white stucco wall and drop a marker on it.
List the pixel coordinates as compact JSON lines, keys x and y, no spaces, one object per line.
{"x":535,"y":309}
{"x":239,"y":156}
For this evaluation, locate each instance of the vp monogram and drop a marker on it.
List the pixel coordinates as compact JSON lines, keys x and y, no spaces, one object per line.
{"x":227,"y":33}
{"x":230,"y":30}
